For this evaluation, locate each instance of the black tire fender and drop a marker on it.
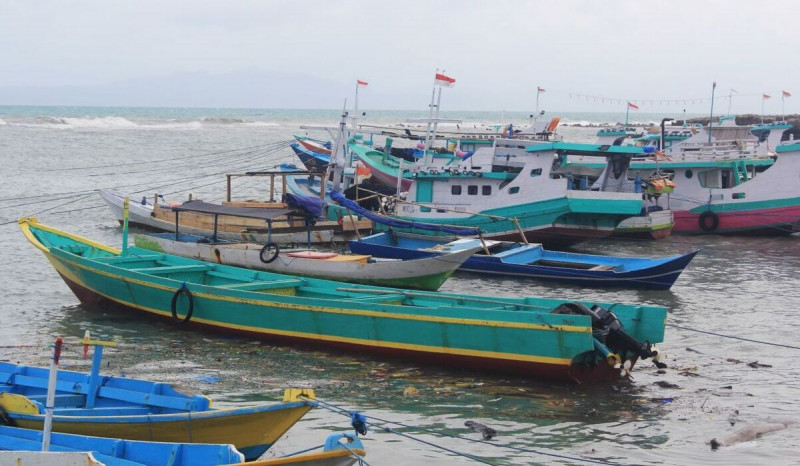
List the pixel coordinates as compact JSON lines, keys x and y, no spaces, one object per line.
{"x":708,"y":221}
{"x":174,"y":306}
{"x":266,"y":256}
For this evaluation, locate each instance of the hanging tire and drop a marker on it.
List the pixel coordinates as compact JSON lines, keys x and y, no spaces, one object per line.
{"x":269,"y":253}
{"x":174,"y":305}
{"x":708,"y":221}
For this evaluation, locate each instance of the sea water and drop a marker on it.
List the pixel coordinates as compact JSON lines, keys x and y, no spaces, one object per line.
{"x":53,"y":160}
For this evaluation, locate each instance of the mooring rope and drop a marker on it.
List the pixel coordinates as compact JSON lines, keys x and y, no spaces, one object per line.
{"x":733,"y":337}
{"x":339,"y":410}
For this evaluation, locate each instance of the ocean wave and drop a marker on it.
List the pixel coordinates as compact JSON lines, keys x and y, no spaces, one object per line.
{"x":261,"y":124}
{"x":223,"y":120}
{"x":2,"y":122}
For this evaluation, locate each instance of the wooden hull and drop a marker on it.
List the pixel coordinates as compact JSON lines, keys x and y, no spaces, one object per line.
{"x":119,"y":451}
{"x":517,"y":335}
{"x":252,"y":430}
{"x":534,"y":262}
{"x":159,"y":218}
{"x":313,"y":161}
{"x":424,"y":274}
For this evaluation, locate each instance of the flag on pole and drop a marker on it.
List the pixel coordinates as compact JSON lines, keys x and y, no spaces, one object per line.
{"x":633,"y":105}
{"x":444,"y":80}
{"x":786,"y":93}
{"x":766,"y":96}
{"x":360,"y":82}
{"x":539,"y":89}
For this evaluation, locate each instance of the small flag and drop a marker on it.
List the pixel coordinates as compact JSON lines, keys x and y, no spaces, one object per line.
{"x":443,"y":80}
{"x":786,"y":93}
{"x":360,"y":82}
{"x":633,"y":105}
{"x":766,"y":96}
{"x":539,"y":89}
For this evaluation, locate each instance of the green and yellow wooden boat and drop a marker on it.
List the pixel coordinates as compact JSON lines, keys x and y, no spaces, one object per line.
{"x":532,"y":337}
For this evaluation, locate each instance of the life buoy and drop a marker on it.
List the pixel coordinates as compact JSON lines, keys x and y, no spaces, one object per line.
{"x":708,"y":221}
{"x":174,"y":306}
{"x":265,"y":256}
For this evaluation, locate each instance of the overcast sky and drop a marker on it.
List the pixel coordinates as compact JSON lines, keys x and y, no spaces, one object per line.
{"x":309,"y":53}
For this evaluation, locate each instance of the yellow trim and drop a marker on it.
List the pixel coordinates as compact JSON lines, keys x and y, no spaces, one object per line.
{"x":258,"y":302}
{"x":373,"y":343}
{"x":26,"y":222}
{"x":411,"y":347}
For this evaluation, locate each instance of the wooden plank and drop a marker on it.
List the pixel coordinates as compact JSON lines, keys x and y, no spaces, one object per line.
{"x":175,"y":268}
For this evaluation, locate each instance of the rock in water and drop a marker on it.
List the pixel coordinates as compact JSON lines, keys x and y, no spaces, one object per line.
{"x":486,"y":432}
{"x":747,"y":434}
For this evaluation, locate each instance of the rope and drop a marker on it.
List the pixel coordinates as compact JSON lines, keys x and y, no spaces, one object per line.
{"x":303,"y":451}
{"x":733,"y":337}
{"x":347,"y":413}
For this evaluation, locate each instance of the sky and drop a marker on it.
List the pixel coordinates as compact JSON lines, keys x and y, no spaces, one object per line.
{"x":586,"y":55}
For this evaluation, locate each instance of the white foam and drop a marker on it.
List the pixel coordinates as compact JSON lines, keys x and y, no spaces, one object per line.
{"x":2,"y":122}
{"x":261,"y":123}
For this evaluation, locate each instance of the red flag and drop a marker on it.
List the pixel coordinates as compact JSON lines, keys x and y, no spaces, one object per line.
{"x":443,"y":80}
{"x":786,"y":94}
{"x":360,"y":82}
{"x":633,"y":106}
{"x":766,"y":96}
{"x":539,"y":89}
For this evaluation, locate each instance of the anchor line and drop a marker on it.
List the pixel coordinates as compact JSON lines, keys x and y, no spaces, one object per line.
{"x":384,"y":428}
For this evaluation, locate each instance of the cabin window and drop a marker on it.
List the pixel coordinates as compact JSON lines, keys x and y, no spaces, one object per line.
{"x":486,"y":190}
{"x":424,"y":209}
{"x":536,"y":172}
{"x":472,"y":190}
{"x":513,"y":190}
{"x":709,"y":179}
{"x":455,"y":190}
{"x":688,"y":174}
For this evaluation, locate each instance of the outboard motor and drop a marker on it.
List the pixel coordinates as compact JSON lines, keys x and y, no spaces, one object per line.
{"x":608,"y":330}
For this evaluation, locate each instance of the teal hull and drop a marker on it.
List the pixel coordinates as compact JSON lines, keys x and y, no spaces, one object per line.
{"x":517,"y":335}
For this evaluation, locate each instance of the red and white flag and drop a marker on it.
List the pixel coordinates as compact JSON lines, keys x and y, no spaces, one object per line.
{"x":539,"y":89}
{"x":360,"y":82}
{"x":766,"y":96}
{"x":633,"y":106}
{"x":786,"y":93}
{"x":444,"y":80}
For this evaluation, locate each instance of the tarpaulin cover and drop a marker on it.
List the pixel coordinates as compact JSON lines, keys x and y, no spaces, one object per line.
{"x":310,"y":204}
{"x":399,"y":223}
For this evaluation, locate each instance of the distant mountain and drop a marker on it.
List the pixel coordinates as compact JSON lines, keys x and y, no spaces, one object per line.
{"x":247,"y":89}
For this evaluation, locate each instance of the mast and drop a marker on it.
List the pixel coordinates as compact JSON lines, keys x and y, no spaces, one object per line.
{"x":711,"y":118}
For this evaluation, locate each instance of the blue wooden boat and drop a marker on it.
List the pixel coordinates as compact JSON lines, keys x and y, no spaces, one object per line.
{"x":113,"y":451}
{"x":533,"y":261}
{"x":533,"y":337}
{"x":104,"y":406}
{"x":314,"y":155}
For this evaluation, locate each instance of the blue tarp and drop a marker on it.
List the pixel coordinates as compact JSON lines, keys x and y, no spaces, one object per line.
{"x":339,"y":198}
{"x":311,"y":204}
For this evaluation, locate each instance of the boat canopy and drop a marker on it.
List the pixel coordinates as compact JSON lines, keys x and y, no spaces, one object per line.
{"x":246,"y":212}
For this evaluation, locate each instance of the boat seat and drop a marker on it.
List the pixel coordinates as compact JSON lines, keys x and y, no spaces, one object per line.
{"x":378,"y":298}
{"x":126,"y":259}
{"x":603,"y":267}
{"x":150,"y":399}
{"x":262,"y":285}
{"x":62,"y":399}
{"x":174,"y":268}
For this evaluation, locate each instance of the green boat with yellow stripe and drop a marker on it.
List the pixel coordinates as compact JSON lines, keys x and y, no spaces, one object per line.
{"x":530,"y":337}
